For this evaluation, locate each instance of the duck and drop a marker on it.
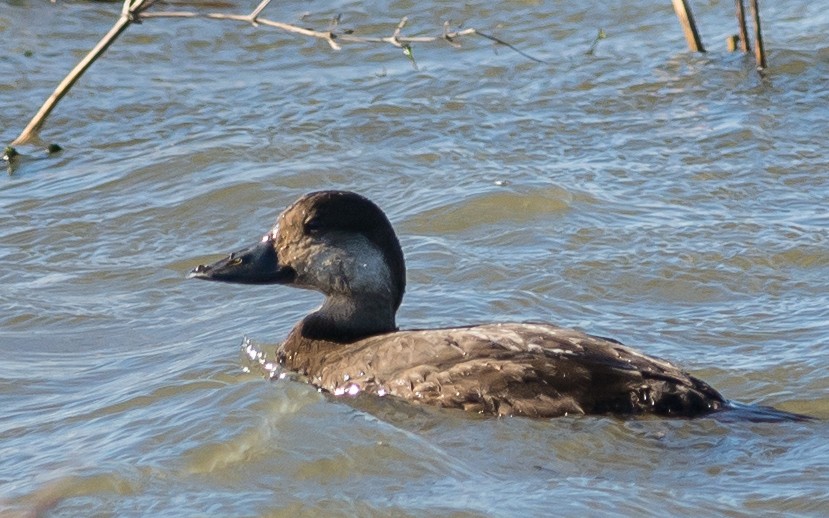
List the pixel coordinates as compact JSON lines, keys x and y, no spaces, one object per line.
{"x":342,"y":244}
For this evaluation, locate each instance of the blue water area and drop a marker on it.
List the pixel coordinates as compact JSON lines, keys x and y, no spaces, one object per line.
{"x":674,"y":201}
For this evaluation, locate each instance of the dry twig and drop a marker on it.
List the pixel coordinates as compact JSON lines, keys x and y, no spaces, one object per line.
{"x":689,"y":27}
{"x":136,"y":11}
{"x":130,"y":9}
{"x":759,"y":50}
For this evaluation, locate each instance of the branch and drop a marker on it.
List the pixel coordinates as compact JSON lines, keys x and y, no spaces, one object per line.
{"x":129,"y":11}
{"x":332,"y":37}
{"x":135,"y":11}
{"x":759,"y":50}
{"x":689,"y":27}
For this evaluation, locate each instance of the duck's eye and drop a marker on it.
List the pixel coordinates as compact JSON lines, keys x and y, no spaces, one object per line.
{"x":234,"y":260}
{"x":312,"y":226}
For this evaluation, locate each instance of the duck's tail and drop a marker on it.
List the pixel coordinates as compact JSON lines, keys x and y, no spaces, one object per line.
{"x":734,"y":411}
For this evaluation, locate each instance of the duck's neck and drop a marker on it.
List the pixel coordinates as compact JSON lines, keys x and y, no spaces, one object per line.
{"x":340,"y":320}
{"x":343,"y":319}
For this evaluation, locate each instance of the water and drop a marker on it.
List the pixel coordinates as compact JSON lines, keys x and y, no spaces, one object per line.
{"x":676,"y":202}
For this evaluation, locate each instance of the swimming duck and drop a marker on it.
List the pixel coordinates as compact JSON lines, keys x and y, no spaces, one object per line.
{"x":341,"y":244}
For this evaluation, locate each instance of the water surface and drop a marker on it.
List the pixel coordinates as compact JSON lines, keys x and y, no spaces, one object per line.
{"x":674,"y":201}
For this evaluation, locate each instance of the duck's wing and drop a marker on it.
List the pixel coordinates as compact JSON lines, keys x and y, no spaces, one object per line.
{"x":525,"y":369}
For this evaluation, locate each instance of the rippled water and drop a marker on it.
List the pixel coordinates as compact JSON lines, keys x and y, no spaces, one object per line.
{"x":676,"y":202}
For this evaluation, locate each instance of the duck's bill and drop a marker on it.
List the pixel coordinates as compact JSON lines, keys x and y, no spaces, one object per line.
{"x":257,"y":264}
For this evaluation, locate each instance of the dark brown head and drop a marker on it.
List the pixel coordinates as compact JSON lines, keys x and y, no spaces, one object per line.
{"x":335,"y":242}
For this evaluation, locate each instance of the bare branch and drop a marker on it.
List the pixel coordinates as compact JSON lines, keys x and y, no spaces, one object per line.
{"x":135,"y":11}
{"x":499,"y":41}
{"x":259,"y":8}
{"x":394,"y":40}
{"x":37,"y":122}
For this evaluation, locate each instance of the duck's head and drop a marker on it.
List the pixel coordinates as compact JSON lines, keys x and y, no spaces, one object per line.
{"x":335,"y":242}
